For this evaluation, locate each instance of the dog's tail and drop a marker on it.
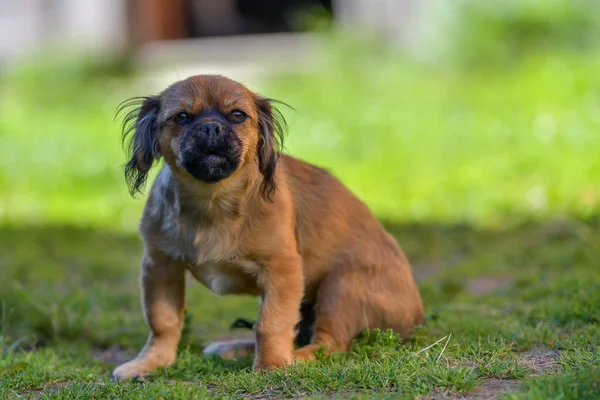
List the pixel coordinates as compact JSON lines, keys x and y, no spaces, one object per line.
{"x":242,"y":323}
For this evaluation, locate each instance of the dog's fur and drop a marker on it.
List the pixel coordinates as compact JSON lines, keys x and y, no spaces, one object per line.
{"x":243,"y":219}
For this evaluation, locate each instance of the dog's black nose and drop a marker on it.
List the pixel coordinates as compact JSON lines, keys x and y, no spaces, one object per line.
{"x":211,"y":128}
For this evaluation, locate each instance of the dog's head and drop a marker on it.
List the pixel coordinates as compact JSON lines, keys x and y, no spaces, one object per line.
{"x":206,"y":127}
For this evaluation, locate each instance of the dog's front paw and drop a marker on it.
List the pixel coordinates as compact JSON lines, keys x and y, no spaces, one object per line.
{"x":269,"y":365}
{"x":132,"y":370}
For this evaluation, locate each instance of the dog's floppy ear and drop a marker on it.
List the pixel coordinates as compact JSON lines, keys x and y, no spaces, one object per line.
{"x":271,"y":131}
{"x":140,"y":134}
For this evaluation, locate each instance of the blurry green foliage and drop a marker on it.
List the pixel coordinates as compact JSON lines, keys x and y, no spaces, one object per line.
{"x":477,"y":33}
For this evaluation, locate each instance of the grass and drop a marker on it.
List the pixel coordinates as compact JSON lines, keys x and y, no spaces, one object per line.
{"x":488,"y":179}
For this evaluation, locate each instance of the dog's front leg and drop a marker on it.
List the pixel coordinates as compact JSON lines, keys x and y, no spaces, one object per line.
{"x":163,"y":296}
{"x":283,"y":284}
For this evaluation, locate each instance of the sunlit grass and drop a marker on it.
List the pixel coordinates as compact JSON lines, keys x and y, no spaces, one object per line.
{"x":478,"y":146}
{"x":414,"y":143}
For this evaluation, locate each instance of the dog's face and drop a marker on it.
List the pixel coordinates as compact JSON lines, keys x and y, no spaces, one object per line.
{"x":206,"y":127}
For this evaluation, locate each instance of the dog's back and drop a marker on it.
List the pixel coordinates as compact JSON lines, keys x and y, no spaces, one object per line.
{"x":334,"y":228}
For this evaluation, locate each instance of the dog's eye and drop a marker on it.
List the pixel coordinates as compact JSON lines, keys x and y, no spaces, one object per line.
{"x":181,"y":118}
{"x":237,"y":116}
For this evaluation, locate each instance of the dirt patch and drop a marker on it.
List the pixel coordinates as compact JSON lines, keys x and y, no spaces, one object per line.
{"x":265,"y":396}
{"x":50,"y":388}
{"x":492,"y":388}
{"x":426,"y":270}
{"x":488,"y":284}
{"x":488,"y":389}
{"x":113,"y":355}
{"x":540,"y":360}
{"x":257,"y":396}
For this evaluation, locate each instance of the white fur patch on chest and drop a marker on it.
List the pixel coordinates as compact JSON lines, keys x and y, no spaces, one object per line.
{"x":198,"y":245}
{"x":213,"y":255}
{"x":235,"y":277}
{"x":212,"y":251}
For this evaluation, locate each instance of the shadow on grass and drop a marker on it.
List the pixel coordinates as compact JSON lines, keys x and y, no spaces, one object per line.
{"x":67,"y":283}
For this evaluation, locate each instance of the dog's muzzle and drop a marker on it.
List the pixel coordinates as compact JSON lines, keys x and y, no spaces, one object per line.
{"x":211,"y":153}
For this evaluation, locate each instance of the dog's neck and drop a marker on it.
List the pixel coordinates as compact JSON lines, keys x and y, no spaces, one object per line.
{"x":208,"y":203}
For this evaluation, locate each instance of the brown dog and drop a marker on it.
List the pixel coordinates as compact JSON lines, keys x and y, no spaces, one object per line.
{"x":244,"y":220}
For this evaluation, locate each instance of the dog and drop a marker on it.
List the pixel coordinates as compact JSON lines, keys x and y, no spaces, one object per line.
{"x":243,"y":218}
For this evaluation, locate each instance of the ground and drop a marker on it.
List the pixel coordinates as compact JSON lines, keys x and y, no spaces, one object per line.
{"x":488,"y":179}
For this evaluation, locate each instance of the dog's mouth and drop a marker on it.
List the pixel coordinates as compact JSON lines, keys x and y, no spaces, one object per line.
{"x":213,"y":157}
{"x":210,"y":166}
{"x":209,"y":158}
{"x":210,"y":161}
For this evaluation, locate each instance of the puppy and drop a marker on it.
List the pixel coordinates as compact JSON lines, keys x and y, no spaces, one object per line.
{"x":244,"y":219}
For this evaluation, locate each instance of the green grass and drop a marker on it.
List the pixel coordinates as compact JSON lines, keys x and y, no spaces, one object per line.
{"x":489,"y":180}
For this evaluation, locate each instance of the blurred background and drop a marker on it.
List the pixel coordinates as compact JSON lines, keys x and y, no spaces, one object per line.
{"x":454,"y":121}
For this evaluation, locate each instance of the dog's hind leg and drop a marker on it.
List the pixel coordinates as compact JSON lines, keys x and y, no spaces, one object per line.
{"x":353,"y":300}
{"x":335,"y":324}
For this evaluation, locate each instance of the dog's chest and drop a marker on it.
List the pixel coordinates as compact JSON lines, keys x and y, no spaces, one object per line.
{"x":214,"y":257}
{"x":233,"y":277}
